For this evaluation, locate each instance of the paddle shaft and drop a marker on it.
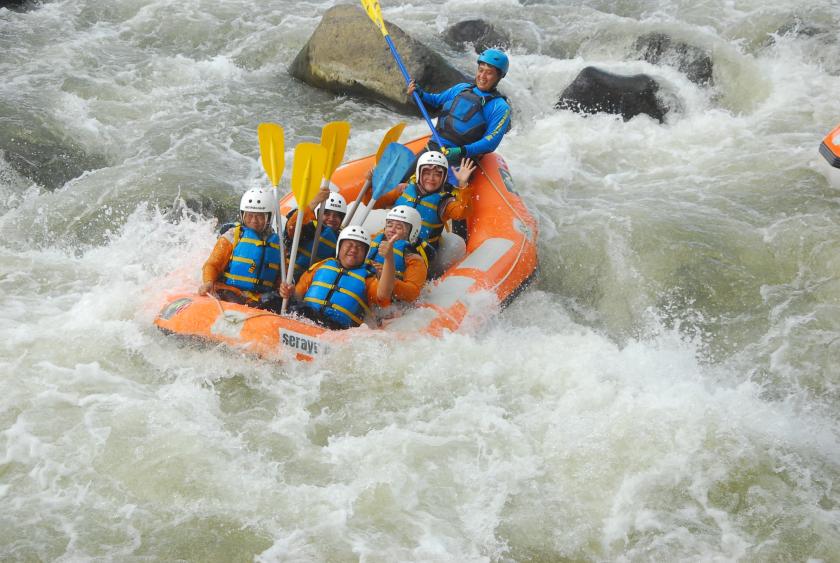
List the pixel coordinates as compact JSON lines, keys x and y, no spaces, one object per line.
{"x":290,"y":276}
{"x":352,"y":211}
{"x":319,"y":225}
{"x":416,"y":97}
{"x":365,"y":211}
{"x":277,"y":225}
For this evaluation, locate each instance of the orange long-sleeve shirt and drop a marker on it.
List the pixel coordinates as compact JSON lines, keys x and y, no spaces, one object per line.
{"x":219,"y":258}
{"x":414,"y":278}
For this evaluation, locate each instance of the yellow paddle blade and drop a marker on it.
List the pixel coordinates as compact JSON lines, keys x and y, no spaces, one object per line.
{"x":334,"y":138}
{"x":310,"y":160}
{"x":391,"y":136}
{"x":374,"y":12}
{"x":270,"y":136}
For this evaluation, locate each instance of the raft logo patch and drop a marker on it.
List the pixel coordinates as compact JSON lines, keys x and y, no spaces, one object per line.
{"x":174,"y":308}
{"x":302,"y":343}
{"x":508,"y":180}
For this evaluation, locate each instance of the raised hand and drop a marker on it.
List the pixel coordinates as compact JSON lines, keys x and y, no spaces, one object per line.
{"x":386,"y":247}
{"x":465,"y":171}
{"x":320,"y":197}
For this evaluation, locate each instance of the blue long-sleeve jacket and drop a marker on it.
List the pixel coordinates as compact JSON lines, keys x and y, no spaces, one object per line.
{"x":496,"y":113}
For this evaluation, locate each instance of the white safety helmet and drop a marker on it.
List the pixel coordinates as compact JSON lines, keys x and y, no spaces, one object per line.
{"x":335,"y":202}
{"x":408,"y":215}
{"x":433,"y":158}
{"x":352,"y":232}
{"x":257,"y":200}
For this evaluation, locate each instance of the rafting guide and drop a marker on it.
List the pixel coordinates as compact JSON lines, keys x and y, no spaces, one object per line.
{"x":473,"y":117}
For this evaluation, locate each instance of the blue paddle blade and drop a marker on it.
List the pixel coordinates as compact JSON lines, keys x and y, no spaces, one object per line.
{"x":395,"y":163}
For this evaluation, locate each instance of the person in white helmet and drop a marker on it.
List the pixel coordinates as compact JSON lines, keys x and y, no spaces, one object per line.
{"x":338,"y":292}
{"x":335,"y":208}
{"x":244,"y":265}
{"x":432,"y":196}
{"x":411,"y":262}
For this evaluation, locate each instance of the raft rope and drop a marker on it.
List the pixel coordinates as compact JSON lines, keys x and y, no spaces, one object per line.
{"x":236,"y":320}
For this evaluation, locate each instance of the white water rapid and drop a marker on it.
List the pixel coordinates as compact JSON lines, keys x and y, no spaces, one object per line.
{"x":668,"y":389}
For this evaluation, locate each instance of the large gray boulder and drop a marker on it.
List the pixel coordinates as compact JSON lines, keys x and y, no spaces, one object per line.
{"x":481,"y":34}
{"x":595,"y":90}
{"x":694,"y":62}
{"x":348,"y":55}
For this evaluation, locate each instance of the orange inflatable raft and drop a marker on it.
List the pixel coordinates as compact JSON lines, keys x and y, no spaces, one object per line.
{"x":499,"y":258}
{"x":830,"y":147}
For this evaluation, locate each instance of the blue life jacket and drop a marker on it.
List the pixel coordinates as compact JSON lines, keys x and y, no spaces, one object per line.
{"x":254,"y":262}
{"x":401,"y":248}
{"x":326,"y":248}
{"x":428,"y":206}
{"x":462,"y":120}
{"x":339,"y":294}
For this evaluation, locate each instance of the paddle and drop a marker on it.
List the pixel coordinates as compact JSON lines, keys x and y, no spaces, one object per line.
{"x":390,"y":137}
{"x":333,"y":138}
{"x":270,"y":136}
{"x":374,"y":12}
{"x":396,"y":161}
{"x":308,"y":168}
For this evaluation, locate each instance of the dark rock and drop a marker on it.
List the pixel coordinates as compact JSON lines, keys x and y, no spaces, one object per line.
{"x":478,"y":32}
{"x":659,"y":48}
{"x":799,"y":28}
{"x":38,"y":153}
{"x":348,"y":55}
{"x":19,"y":5}
{"x":594,"y":90}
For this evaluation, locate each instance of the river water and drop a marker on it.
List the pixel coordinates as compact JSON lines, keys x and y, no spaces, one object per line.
{"x":668,"y":389}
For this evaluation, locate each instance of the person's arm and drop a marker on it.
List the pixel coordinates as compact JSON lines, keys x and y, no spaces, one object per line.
{"x":215,"y":265}
{"x":459,"y":206}
{"x":308,"y":217}
{"x":414,"y":278}
{"x":435,"y":101}
{"x":498,"y":121}
{"x":388,"y":199}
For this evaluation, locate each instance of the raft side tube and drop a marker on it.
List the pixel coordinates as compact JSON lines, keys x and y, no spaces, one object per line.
{"x":830,"y":147}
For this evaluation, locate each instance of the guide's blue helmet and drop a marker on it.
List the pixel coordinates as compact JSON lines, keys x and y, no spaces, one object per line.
{"x":495,"y":58}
